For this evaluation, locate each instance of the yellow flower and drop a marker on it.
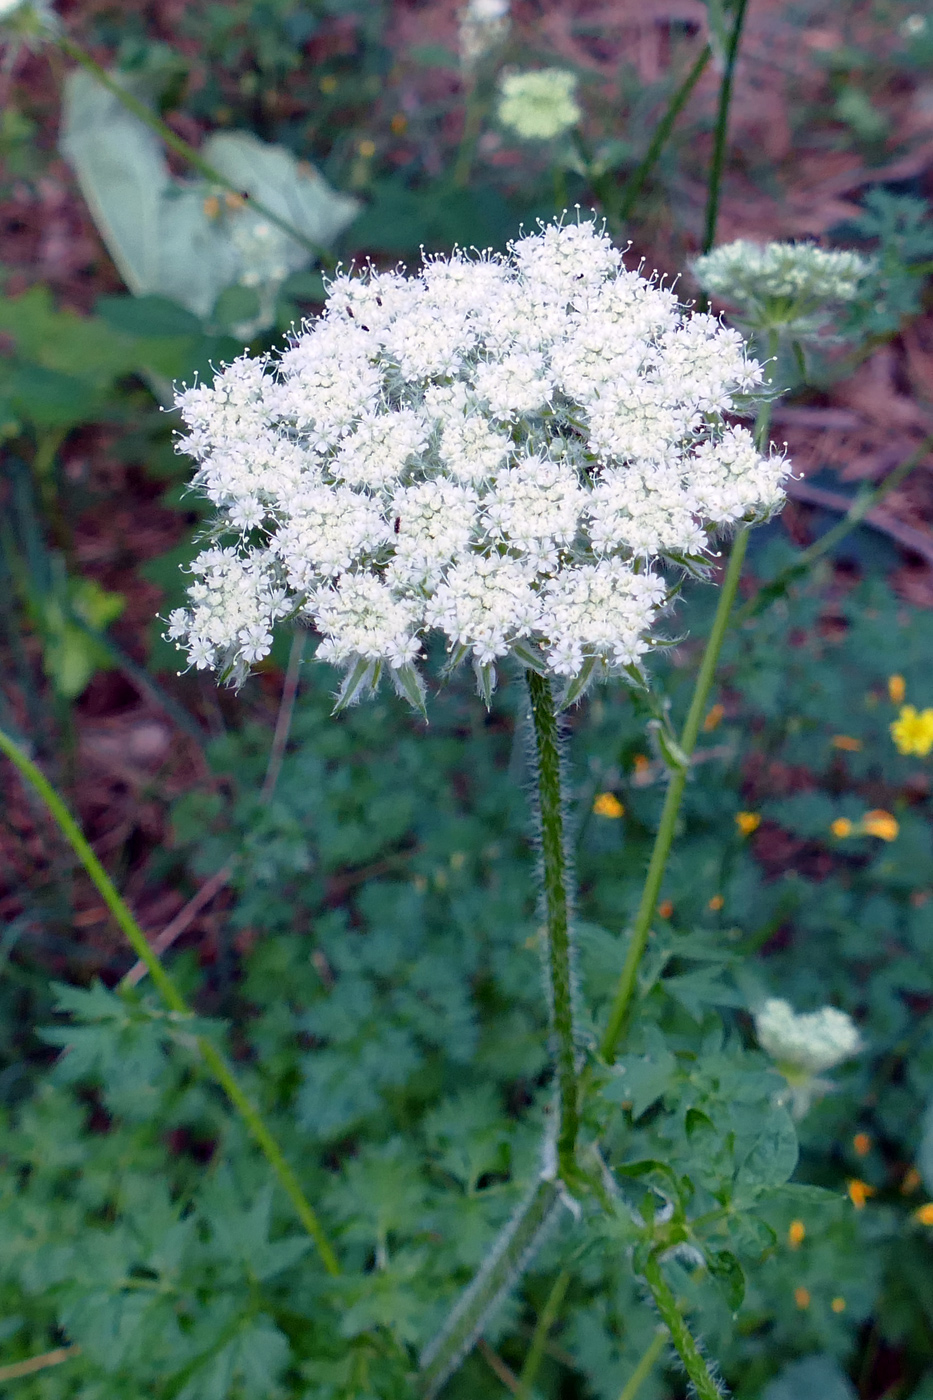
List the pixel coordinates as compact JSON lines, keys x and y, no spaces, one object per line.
{"x":845,"y":741}
{"x":608,"y":805}
{"x":328,"y":83}
{"x":367,"y":149}
{"x":838,"y":1305}
{"x":881,"y":824}
{"x":713,"y":718}
{"x":862,"y":1144}
{"x":747,"y":822}
{"x":896,"y":689}
{"x":841,"y":827}
{"x":925,"y":1214}
{"x":859,"y":1192}
{"x":912,"y":731}
{"x":796,"y":1234}
{"x":802,"y":1297}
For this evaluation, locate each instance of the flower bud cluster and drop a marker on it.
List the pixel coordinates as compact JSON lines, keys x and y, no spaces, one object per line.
{"x":506,"y":449}
{"x":539,"y":106}
{"x":781,"y":285}
{"x":812,"y":1042}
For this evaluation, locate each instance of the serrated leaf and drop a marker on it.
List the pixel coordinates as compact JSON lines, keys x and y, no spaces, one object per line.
{"x":771,"y":1159}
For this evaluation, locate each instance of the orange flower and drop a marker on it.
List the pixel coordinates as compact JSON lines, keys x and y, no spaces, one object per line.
{"x":796,"y":1234}
{"x":665,"y":908}
{"x":846,"y":741}
{"x":399,"y":123}
{"x":717,"y":902}
{"x":802,"y":1297}
{"x":925,"y":1214}
{"x":881,"y":824}
{"x":211,"y":206}
{"x":841,"y":827}
{"x":862,"y":1144}
{"x":713,"y":718}
{"x":747,"y":822}
{"x":838,"y":1305}
{"x":608,"y":805}
{"x":896,"y":689}
{"x":859,"y":1192}
{"x":912,"y":1179}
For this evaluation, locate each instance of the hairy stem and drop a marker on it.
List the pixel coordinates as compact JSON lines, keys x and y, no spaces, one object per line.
{"x":625,"y":992}
{"x":508,"y":1259}
{"x":546,"y":1319}
{"x":556,"y":875}
{"x":645,"y":1364}
{"x":181,"y":147}
{"x":211,"y":1056}
{"x":635,"y":183}
{"x":681,"y":1336}
{"x":714,"y":184}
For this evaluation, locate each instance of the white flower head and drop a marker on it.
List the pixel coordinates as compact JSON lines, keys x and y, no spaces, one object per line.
{"x":539,"y":106}
{"x":793,"y":286}
{"x":815,"y":1041}
{"x":27,"y":21}
{"x":484,"y":25}
{"x":508,"y":450}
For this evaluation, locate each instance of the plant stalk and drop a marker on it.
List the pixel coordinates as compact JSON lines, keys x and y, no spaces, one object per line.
{"x":625,"y":992}
{"x":508,"y":1259}
{"x":645,"y":1364}
{"x":211,"y":1056}
{"x":635,"y":183}
{"x":546,"y":1319}
{"x":681,"y":1336}
{"x":182,"y":148}
{"x":714,"y":185}
{"x":556,"y":876}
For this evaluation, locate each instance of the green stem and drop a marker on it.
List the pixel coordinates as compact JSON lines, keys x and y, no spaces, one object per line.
{"x":546,"y":1319}
{"x":173,"y":999}
{"x":633,"y":186}
{"x":646,"y":1364}
{"x":555,"y":870}
{"x":181,"y":147}
{"x":862,"y":505}
{"x":508,"y":1259}
{"x":717,"y":164}
{"x":687,"y":1349}
{"x":625,"y":991}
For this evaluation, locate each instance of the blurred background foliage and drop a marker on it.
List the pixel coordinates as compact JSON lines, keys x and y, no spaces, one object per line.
{"x":350,"y":901}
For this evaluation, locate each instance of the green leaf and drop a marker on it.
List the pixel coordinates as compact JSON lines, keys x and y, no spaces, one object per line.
{"x":729,"y":1274}
{"x":771,"y":1159}
{"x":813,"y":1378}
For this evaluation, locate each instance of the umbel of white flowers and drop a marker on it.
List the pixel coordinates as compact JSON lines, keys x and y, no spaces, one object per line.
{"x":484,"y":25}
{"x":505,"y":449}
{"x":539,"y":106}
{"x":782,"y":286}
{"x":805,"y":1045}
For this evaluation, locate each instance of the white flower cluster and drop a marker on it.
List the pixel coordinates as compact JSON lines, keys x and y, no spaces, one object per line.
{"x":502,"y":448}
{"x":539,"y":106}
{"x":779,"y":284}
{"x":812,"y":1042}
{"x":484,"y":25}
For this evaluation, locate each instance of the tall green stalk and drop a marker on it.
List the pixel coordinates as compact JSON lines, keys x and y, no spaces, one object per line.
{"x":555,"y":872}
{"x":625,"y":991}
{"x":635,"y":183}
{"x":720,"y":137}
{"x":697,"y":1370}
{"x":173,"y":999}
